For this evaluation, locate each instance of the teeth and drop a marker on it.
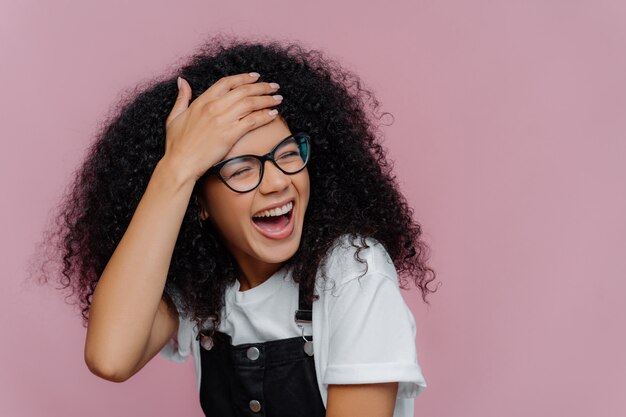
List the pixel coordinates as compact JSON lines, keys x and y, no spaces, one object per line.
{"x":279,"y":211}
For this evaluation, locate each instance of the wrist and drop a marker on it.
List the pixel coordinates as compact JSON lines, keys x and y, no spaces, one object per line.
{"x":175,"y":172}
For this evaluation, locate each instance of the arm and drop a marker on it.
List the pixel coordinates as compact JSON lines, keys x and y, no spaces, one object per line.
{"x":363,"y":400}
{"x":129,"y":321}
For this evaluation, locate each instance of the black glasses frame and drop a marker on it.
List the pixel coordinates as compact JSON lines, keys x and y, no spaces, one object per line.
{"x":215,"y":169}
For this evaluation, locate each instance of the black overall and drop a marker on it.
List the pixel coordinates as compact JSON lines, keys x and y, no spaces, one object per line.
{"x":273,"y":379}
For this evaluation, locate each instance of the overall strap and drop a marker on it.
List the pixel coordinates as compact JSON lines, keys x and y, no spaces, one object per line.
{"x":304,"y":313}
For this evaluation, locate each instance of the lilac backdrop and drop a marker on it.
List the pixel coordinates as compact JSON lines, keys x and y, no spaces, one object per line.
{"x":509,"y":140}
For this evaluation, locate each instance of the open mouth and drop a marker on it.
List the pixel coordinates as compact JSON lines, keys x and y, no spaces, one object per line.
{"x":276,"y":226}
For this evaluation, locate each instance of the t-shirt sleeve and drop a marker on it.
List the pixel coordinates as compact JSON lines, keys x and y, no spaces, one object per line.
{"x":372,"y":336}
{"x":178,"y":348}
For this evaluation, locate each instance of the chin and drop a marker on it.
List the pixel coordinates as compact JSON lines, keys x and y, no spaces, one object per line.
{"x":277,"y":251}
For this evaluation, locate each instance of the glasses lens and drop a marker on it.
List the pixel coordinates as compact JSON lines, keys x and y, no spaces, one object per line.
{"x":242,"y":174}
{"x":292,"y":155}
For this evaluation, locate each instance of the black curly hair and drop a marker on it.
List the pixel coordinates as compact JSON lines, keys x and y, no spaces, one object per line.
{"x":353,"y":190}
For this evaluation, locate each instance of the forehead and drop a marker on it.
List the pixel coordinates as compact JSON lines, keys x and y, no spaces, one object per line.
{"x":260,"y":140}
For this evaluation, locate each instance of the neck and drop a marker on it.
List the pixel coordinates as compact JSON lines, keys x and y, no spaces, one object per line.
{"x":252,"y":271}
{"x":254,"y":274}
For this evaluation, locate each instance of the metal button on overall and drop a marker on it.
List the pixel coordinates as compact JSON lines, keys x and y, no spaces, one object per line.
{"x":255,"y":406}
{"x":253,"y":353}
{"x":275,"y":378}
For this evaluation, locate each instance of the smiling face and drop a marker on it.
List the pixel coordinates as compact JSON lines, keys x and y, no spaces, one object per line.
{"x":257,"y":254}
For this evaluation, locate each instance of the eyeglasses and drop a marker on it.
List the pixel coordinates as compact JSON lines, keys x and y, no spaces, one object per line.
{"x":244,"y":173}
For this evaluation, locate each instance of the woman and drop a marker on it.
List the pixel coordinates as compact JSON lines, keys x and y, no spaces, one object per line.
{"x":264,"y":243}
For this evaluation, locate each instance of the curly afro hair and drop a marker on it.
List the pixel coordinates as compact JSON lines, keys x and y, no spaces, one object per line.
{"x":353,"y":190}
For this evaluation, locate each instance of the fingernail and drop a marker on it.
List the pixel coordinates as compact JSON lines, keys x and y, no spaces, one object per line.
{"x":254,"y":74}
{"x":178,"y":81}
{"x":275,"y":86}
{"x":273,"y":112}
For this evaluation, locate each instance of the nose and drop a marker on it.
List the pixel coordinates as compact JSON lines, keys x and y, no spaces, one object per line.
{"x":273,"y":179}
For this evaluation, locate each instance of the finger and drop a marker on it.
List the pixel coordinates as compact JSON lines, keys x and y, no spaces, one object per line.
{"x":248,"y":94}
{"x":247,"y":105}
{"x":182,"y":100}
{"x":224,"y":85}
{"x":253,"y":120}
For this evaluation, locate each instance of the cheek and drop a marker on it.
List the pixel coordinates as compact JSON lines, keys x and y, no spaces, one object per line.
{"x":304,"y":185}
{"x":229,"y":210}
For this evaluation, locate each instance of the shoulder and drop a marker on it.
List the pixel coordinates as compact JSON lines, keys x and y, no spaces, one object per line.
{"x":353,"y":257}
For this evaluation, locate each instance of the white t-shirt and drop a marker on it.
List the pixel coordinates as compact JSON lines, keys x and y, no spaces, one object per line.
{"x":363,"y":331}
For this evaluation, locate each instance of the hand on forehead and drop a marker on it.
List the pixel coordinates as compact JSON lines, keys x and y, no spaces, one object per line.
{"x":261,"y":140}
